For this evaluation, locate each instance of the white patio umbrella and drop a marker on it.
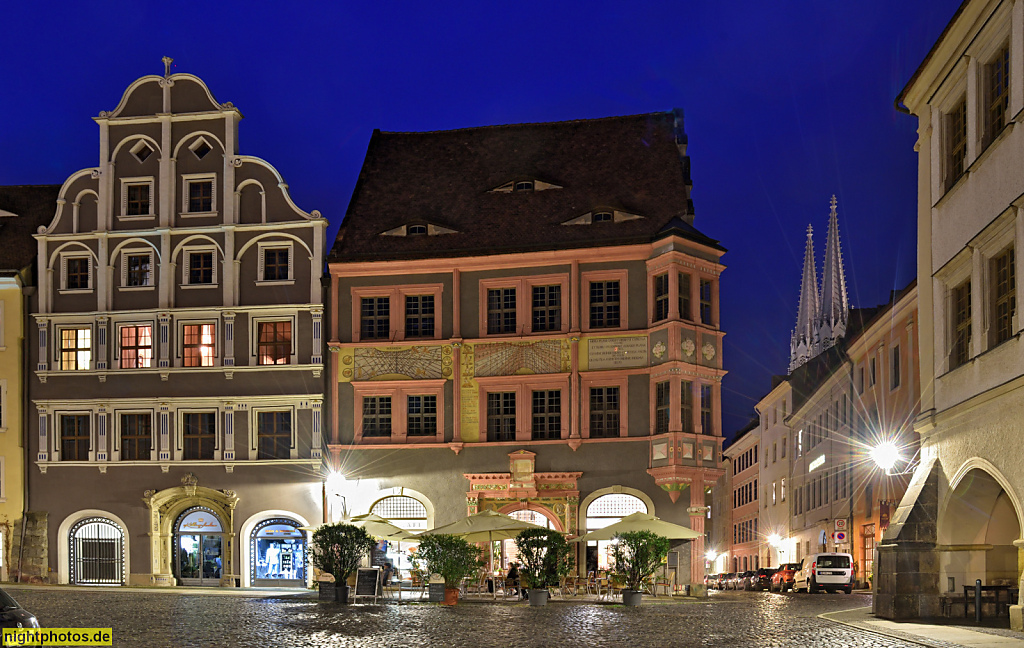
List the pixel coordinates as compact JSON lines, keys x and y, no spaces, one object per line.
{"x":485,"y":526}
{"x":641,"y":522}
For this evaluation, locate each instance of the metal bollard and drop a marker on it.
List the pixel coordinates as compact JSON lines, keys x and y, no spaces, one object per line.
{"x":977,"y":600}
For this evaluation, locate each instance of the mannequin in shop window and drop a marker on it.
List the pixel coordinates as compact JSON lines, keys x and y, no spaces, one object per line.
{"x":273,"y":559}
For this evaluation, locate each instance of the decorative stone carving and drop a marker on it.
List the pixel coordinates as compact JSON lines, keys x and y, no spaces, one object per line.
{"x":708,"y":351}
{"x":189,"y":482}
{"x":658,"y":350}
{"x":688,"y":347}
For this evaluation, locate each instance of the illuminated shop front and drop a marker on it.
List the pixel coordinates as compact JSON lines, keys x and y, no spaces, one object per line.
{"x":199,"y":547}
{"x":278,"y":551}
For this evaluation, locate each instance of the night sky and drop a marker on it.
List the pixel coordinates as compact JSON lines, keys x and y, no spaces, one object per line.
{"x":784,"y":107}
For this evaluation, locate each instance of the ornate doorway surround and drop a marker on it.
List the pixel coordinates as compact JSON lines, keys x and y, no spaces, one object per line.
{"x":555,"y":494}
{"x":165,"y":506}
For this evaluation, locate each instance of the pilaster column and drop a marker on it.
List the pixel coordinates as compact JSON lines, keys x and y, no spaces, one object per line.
{"x":229,"y":339}
{"x":317,"y":441}
{"x":697,"y":511}
{"x":317,"y":314}
{"x":673,"y":292}
{"x":43,"y":452}
{"x":456,"y":307}
{"x":229,"y":432}
{"x":575,"y":398}
{"x":102,"y":418}
{"x":698,"y":427}
{"x":1016,"y":52}
{"x":972,"y":112}
{"x":165,"y":432}
{"x":164,"y":334}
{"x":44,"y":352}
{"x":1018,"y":246}
{"x":456,"y":386}
{"x":979,"y":327}
{"x":101,"y":343}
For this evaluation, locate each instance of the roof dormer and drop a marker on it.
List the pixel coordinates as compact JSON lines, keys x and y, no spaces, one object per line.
{"x":418,"y":229}
{"x":523,"y":185}
{"x":600,"y":216}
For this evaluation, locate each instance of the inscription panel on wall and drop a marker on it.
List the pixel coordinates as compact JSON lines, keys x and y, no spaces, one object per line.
{"x":617,"y":353}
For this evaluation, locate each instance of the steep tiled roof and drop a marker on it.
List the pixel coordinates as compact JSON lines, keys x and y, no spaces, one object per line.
{"x":32,"y":206}
{"x":632,"y":164}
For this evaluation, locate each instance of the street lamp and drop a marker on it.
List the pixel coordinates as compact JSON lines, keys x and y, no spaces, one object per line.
{"x":885,"y":455}
{"x":334,"y":484}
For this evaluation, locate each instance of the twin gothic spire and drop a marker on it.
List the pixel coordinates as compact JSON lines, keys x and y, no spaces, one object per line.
{"x":824,"y":310}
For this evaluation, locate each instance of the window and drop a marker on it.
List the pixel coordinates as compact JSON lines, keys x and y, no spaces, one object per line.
{"x":136,"y":346}
{"x":961,"y":325}
{"x":604,"y":412}
{"x":601,"y":217}
{"x":375,"y":318}
{"x":547,"y":308}
{"x":684,"y":296}
{"x":784,"y":447}
{"x":501,"y":311}
{"x":956,"y":142}
{"x":274,"y":342}
{"x":705,"y":301}
{"x":782,"y":487}
{"x":419,"y":316}
{"x":775,"y":453}
{"x":198,"y":435}
{"x":200,"y":196}
{"x":686,"y":405}
{"x":894,"y":368}
{"x":75,"y":349}
{"x":198,"y":344}
{"x":872,"y":374}
{"x":74,"y":437}
{"x":422,"y":415}
{"x":376,"y":416}
{"x":76,"y":273}
{"x":773,"y":493}
{"x":142,"y":150}
{"x":547,"y":414}
{"x":137,"y":270}
{"x":604,"y":304}
{"x":416,"y":230}
{"x":524,"y":185}
{"x":660,"y":297}
{"x":707,"y":423}
{"x":997,"y":91}
{"x":501,"y":416}
{"x":137,"y":198}
{"x":1004,"y":296}
{"x":276,"y":266}
{"x":860,"y":379}
{"x":274,"y":435}
{"x":661,"y":405}
{"x":200,"y":268}
{"x":136,"y":437}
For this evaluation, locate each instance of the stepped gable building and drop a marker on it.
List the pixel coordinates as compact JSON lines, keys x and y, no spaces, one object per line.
{"x":22,"y":210}
{"x":961,"y":518}
{"x":524,"y":318}
{"x":176,"y":356}
{"x":823,"y":311}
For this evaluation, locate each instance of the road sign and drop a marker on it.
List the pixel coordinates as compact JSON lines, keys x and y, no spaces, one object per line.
{"x":840,"y":524}
{"x":839,"y":537}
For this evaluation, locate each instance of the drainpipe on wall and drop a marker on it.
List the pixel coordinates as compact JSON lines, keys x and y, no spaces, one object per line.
{"x":27,"y":293}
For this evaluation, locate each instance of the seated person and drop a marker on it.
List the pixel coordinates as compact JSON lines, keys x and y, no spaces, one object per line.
{"x":387,"y":574}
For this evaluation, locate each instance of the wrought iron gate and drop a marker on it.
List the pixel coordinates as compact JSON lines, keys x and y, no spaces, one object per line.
{"x":97,"y":552}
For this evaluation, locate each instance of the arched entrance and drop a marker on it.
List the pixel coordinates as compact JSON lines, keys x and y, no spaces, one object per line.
{"x":408,"y":513}
{"x":199,"y":547}
{"x":277,"y":550}
{"x":604,"y":511}
{"x":978,"y":528}
{"x":509,"y":553}
{"x":96,"y":552}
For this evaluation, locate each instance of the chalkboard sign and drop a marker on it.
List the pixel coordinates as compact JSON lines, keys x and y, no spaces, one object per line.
{"x":673,"y":559}
{"x":366,"y":582}
{"x":379,"y":558}
{"x":435,"y":593}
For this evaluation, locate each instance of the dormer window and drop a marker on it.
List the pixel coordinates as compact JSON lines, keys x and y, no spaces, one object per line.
{"x":416,"y":230}
{"x":524,"y":185}
{"x":602,"y":217}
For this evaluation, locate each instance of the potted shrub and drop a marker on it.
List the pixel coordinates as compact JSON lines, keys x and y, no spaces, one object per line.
{"x":451,"y":557}
{"x":337,"y":550}
{"x":637,"y":556}
{"x":546,"y":557}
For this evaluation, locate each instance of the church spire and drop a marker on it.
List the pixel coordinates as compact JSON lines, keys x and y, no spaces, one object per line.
{"x":803,"y":339}
{"x":833,"y":304}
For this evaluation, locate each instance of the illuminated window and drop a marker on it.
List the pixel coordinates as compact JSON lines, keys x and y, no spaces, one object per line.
{"x":136,"y":347}
{"x":274,"y":345}
{"x":75,"y":349}
{"x":198,"y":344}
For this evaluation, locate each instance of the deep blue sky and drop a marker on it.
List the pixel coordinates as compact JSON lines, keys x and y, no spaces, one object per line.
{"x":786,"y":104}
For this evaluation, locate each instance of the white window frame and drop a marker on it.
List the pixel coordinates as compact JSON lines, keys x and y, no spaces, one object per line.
{"x":180,"y":350}
{"x":254,"y":342}
{"x":153,"y":434}
{"x":140,"y":180}
{"x":276,"y":245}
{"x":57,"y":349}
{"x":179,"y":433}
{"x":124,"y":268}
{"x":64,"y":257}
{"x":152,"y":337}
{"x":254,"y":433}
{"x":189,"y":178}
{"x":187,"y":253}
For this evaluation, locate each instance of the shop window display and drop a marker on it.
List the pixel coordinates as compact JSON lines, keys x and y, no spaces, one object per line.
{"x":278,"y":554}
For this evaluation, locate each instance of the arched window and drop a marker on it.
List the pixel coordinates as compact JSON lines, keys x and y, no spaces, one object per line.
{"x":402,"y":511}
{"x":96,"y":552}
{"x":603,"y":511}
{"x":278,"y":554}
{"x":532,"y":517}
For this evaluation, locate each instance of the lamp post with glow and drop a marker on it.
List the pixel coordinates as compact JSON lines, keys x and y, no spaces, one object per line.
{"x":334,"y":484}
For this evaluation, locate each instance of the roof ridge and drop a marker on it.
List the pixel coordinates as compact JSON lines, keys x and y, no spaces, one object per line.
{"x":520,"y":124}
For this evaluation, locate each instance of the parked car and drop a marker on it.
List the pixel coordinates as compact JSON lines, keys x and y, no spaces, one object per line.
{"x":720,"y":581}
{"x":729,"y":581}
{"x":760,"y":580}
{"x":782,"y":579}
{"x":743,"y":580}
{"x":831,"y":571}
{"x":12,"y":615}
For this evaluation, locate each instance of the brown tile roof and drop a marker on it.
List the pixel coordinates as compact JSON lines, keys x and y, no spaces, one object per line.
{"x":33,"y":205}
{"x":445,"y":178}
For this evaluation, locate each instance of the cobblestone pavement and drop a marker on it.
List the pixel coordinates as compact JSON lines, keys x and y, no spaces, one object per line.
{"x":735,"y":619}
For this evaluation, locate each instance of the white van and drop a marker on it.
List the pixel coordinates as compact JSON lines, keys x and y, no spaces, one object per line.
{"x":828,"y":571}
